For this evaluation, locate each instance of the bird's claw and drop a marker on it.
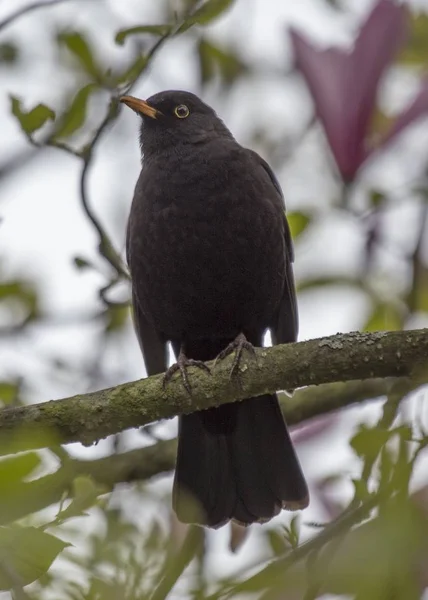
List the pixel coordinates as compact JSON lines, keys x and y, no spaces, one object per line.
{"x":182,"y":365}
{"x":239,"y":344}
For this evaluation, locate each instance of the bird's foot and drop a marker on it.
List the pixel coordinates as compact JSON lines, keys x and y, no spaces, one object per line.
{"x":239,"y":344}
{"x":182,"y":364}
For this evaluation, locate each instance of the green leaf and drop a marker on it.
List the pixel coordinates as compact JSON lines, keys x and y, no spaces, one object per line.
{"x":117,"y":316}
{"x":368,"y":442}
{"x":80,"y":48}
{"x":386,"y":316}
{"x":380,"y":124}
{"x":385,"y":468}
{"x":294,"y":531}
{"x":8,"y":392}
{"x":82,"y":263}
{"x":14,"y":470}
{"x":75,"y":115}
{"x":415,"y":51}
{"x":213,"y":60}
{"x":8,"y":53}
{"x":34,"y":119}
{"x":377,"y":198}
{"x":417,"y":298}
{"x":19,"y":292}
{"x":320,"y":282}
{"x":28,"y":553}
{"x":298,"y":222}
{"x":378,"y":556}
{"x":361,"y":492}
{"x":85,"y":494}
{"x":160,"y":30}
{"x":208,"y":12}
{"x":134,"y":69}
{"x":277,"y":542}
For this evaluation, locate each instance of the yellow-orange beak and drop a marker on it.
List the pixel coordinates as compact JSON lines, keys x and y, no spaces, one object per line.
{"x":140,"y":106}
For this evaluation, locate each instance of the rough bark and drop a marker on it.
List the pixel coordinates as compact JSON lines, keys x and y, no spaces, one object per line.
{"x":90,"y":417}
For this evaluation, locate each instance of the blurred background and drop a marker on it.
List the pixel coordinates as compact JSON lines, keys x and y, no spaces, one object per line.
{"x":360,"y":237}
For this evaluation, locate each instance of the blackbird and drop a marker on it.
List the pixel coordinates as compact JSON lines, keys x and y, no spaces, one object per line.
{"x":210,"y":256}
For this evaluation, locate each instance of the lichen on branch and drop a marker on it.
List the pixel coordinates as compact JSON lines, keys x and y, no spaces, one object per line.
{"x":87,"y":418}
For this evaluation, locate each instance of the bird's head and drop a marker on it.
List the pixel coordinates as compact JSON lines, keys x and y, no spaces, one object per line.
{"x":173,"y":118}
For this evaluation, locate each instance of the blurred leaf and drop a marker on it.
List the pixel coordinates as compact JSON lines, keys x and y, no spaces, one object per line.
{"x":415,"y":52}
{"x":404,"y":431}
{"x":85,"y":494}
{"x":361,"y":492}
{"x":385,"y":467}
{"x":117,"y":316}
{"x":117,"y":527}
{"x":386,"y":316}
{"x":206,"y":13}
{"x":132,"y":72}
{"x":82,"y":263}
{"x":380,"y":124}
{"x":377,"y":198}
{"x":207,"y":68}
{"x":107,"y":589}
{"x":28,"y":553}
{"x":277,"y":542}
{"x":160,"y":30}
{"x":417,"y":298}
{"x":76,"y":43}
{"x":294,"y":531}
{"x":214,"y":60}
{"x":298,"y":222}
{"x":34,"y":119}
{"x":340,"y":280}
{"x":23,"y":294}
{"x":14,"y":470}
{"x":380,"y":559}
{"x":192,"y":547}
{"x":368,"y":442}
{"x":8,"y":53}
{"x":75,"y":115}
{"x":8,"y":392}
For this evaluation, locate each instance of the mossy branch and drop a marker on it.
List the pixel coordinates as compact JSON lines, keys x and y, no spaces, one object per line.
{"x":159,"y":458}
{"x":88,"y":418}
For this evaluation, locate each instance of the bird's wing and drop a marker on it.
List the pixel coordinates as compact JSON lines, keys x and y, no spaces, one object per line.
{"x":286,"y":325}
{"x":154,"y":349}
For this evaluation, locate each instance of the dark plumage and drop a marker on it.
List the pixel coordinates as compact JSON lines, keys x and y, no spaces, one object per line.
{"x":210,"y":255}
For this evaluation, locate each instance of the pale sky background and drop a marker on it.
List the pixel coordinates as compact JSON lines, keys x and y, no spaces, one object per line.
{"x":43,"y":226}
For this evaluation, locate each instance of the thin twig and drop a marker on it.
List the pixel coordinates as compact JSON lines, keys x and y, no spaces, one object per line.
{"x":105,"y":246}
{"x":27,"y":9}
{"x":276,"y":569}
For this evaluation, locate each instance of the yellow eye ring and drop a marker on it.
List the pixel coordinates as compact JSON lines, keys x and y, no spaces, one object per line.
{"x":181,"y":111}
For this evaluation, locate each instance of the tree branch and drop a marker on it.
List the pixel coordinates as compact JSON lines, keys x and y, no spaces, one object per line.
{"x":145,"y":463}
{"x":31,"y":496}
{"x":90,"y":417}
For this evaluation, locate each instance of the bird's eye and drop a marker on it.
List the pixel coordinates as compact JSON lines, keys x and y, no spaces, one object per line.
{"x":181,"y":111}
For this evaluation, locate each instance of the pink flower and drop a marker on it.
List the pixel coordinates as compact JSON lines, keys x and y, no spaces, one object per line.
{"x":344,"y":85}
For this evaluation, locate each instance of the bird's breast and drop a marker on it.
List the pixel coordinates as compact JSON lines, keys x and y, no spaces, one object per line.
{"x":208,"y":254}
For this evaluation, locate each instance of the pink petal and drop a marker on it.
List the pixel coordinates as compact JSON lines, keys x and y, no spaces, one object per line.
{"x":324,"y":72}
{"x":344,"y":84}
{"x":418,"y":108}
{"x":379,"y":40}
{"x":316,"y":427}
